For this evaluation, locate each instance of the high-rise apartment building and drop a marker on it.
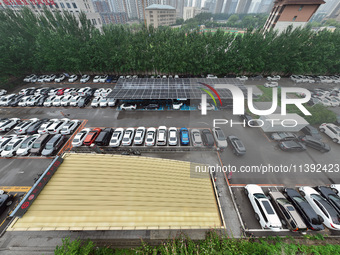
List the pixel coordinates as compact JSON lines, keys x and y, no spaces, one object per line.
{"x":243,"y":6}
{"x":291,"y":12}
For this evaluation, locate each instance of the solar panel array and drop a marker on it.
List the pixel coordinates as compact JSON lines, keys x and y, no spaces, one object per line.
{"x":181,"y":88}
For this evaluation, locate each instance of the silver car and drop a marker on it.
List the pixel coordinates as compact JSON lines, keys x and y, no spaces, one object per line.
{"x":196,"y":138}
{"x":220,"y":138}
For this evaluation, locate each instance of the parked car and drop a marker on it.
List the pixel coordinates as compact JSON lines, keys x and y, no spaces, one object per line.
{"x":41,"y":101}
{"x":127,"y":106}
{"x":10,"y":149}
{"x":172,"y":137}
{"x":42,"y":78}
{"x":103,"y":102}
{"x":73,"y":78}
{"x":176,"y":105}
{"x":274,"y":78}
{"x":331,"y":130}
{"x":75,"y":100}
{"x":209,"y":76}
{"x":95,"y":102}
{"x":242,"y":78}
{"x":26,"y":145}
{"x":22,"y":127}
{"x":330,"y":196}
{"x":264,"y":211}
{"x":292,"y":146}
{"x":91,"y":136}
{"x":33,"y":129}
{"x":150,"y":137}
{"x":39,"y":144}
{"x":103,"y":78}
{"x":84,"y":91}
{"x":237,"y":145}
{"x":117,"y":137}
{"x":151,"y":107}
{"x":53,"y":145}
{"x":103,"y":139}
{"x":84,"y":101}
{"x":220,"y":138}
{"x":283,"y":136}
{"x":66,"y":101}
{"x":139,"y":136}
{"x":49,"y":101}
{"x":314,"y":143}
{"x":30,"y":78}
{"x":3,"y":92}
{"x":69,"y":127}
{"x":15,"y":101}
{"x":43,"y":128}
{"x":96,"y":79}
{"x":5,"y":140}
{"x":272,"y":84}
{"x":50,"y":78}
{"x":161,"y":136}
{"x":184,"y":136}
{"x":210,"y":107}
{"x":207,"y":138}
{"x":111,"y":102}
{"x":312,"y":131}
{"x":320,"y":205}
{"x":128,"y":137}
{"x":85,"y":78}
{"x":80,"y":137}
{"x":57,"y":126}
{"x":196,"y":138}
{"x":60,"y":78}
{"x":57,"y":101}
{"x":8,"y":124}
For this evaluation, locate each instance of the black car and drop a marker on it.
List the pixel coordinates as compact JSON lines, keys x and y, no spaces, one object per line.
{"x":283,"y":136}
{"x":314,"y":143}
{"x":237,"y":146}
{"x":15,"y":100}
{"x":33,"y":129}
{"x":84,"y":101}
{"x":104,"y":137}
{"x":312,"y":220}
{"x":5,"y":201}
{"x":331,"y":196}
{"x":41,"y":101}
{"x":249,"y":120}
{"x":292,"y":146}
{"x":312,"y":131}
{"x":207,"y":138}
{"x":151,"y":107}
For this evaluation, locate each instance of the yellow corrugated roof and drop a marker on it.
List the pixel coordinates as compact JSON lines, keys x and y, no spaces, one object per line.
{"x":103,"y":192}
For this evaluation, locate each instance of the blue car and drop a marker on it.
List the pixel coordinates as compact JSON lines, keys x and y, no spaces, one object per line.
{"x":184,"y":134}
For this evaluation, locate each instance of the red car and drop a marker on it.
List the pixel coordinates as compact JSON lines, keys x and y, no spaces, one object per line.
{"x":91,"y":137}
{"x":60,"y":92}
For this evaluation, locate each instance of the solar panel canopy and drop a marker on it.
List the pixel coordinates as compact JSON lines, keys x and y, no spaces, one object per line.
{"x":181,"y":88}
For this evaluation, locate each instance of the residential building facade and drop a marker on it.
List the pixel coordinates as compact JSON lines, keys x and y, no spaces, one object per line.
{"x":160,"y":15}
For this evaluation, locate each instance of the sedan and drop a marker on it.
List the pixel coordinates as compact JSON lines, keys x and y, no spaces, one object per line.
{"x":69,"y":127}
{"x":73,"y":78}
{"x":272,"y":84}
{"x":75,"y":100}
{"x":50,"y":78}
{"x":150,"y":136}
{"x":314,"y":143}
{"x":49,"y":101}
{"x":80,"y":137}
{"x":103,"y":78}
{"x":291,"y":146}
{"x":283,"y":136}
{"x":29,"y":78}
{"x":207,"y":138}
{"x":151,"y":107}
{"x":242,"y":78}
{"x":66,"y":101}
{"x":139,"y":136}
{"x":43,"y":128}
{"x":60,"y":78}
{"x":184,"y":136}
{"x":274,"y":78}
{"x":117,"y":137}
{"x":172,"y":138}
{"x":312,"y":131}
{"x":53,"y":145}
{"x":7,"y":125}
{"x":220,"y":138}
{"x":331,"y":196}
{"x":57,"y":126}
{"x":85,"y":78}
{"x":11,"y":148}
{"x":323,"y":208}
{"x":33,"y":129}
{"x":264,"y":211}
{"x":196,"y":138}
{"x":95,"y":102}
{"x":103,"y":102}
{"x":127,"y":106}
{"x":42,"y":78}
{"x":128,"y":137}
{"x":96,"y":79}
{"x":26,"y":145}
{"x":22,"y":127}
{"x":84,"y":101}
{"x":237,"y":146}
{"x":111,"y":102}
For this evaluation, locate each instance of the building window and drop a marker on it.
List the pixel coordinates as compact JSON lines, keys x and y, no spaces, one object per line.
{"x":68,"y":5}
{"x":301,"y":6}
{"x":74,"y":5}
{"x":294,"y":18}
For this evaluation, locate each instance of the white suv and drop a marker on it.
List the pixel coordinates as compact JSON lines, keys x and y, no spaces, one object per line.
{"x":333,"y":131}
{"x":264,"y":211}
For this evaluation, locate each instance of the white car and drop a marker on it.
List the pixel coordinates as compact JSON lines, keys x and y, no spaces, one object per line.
{"x":22,"y":127}
{"x":210,"y":107}
{"x":42,"y":78}
{"x":321,"y":207}
{"x":43,"y":128}
{"x":26,"y":145}
{"x":96,"y":79}
{"x":60,"y":78}
{"x":296,"y":78}
{"x":310,"y":79}
{"x":66,"y":101}
{"x":83,"y":91}
{"x":105,"y":92}
{"x":6,"y":99}
{"x":57,"y":101}
{"x":121,"y":77}
{"x":176,"y":105}
{"x":176,"y":76}
{"x":25,"y":91}
{"x":209,"y":76}
{"x":53,"y":92}
{"x":98,"y":92}
{"x":73,"y":78}
{"x":48,"y":102}
{"x":80,"y":137}
{"x":111,"y":102}
{"x":3,"y":92}
{"x":161,"y":136}
{"x":23,"y":101}
{"x":271,"y":84}
{"x":172,"y":138}
{"x":75,"y":100}
{"x":139,"y":136}
{"x":7,"y":125}
{"x":11,"y":148}
{"x":103,"y":78}
{"x":242,"y":78}
{"x":150,"y":137}
{"x":127,"y":106}
{"x":220,"y":138}
{"x":274,"y":78}
{"x":135,"y":77}
{"x":116,"y":137}
{"x":264,"y":211}
{"x":50,"y":78}
{"x":96,"y":101}
{"x":128,"y":137}
{"x":5,"y":140}
{"x":85,"y":78}
{"x":333,"y":131}
{"x":103,"y":102}
{"x":69,"y":127}
{"x":57,"y":126}
{"x":326,"y":80}
{"x":33,"y":101}
{"x":30,"y":78}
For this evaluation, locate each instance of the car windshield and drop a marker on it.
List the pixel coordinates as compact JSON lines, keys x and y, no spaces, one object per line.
{"x":220,"y":134}
{"x":8,"y":147}
{"x":49,"y":146}
{"x":76,"y":140}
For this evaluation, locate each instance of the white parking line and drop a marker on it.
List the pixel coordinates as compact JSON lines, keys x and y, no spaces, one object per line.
{"x":267,"y":230}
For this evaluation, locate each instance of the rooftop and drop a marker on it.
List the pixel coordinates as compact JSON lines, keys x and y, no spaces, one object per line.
{"x":160,"y":7}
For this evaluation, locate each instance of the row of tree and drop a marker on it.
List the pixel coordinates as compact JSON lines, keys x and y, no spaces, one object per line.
{"x":59,"y":42}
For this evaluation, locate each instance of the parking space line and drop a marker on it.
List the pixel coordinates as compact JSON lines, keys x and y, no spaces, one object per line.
{"x":267,"y":230}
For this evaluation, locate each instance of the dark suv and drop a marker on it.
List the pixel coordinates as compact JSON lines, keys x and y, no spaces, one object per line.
{"x":237,"y":146}
{"x":207,"y":138}
{"x":314,"y":143}
{"x":104,"y":137}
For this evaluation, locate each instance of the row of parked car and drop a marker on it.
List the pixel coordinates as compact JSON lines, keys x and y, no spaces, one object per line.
{"x":310,"y":208}
{"x":70,"y":78}
{"x":328,"y":98}
{"x":314,"y":79}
